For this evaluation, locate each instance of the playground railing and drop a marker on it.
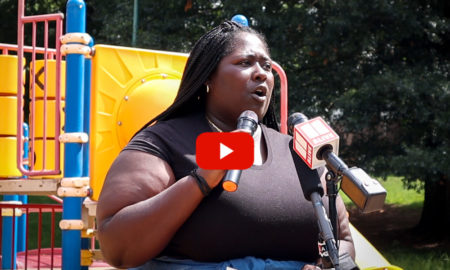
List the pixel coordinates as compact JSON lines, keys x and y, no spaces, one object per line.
{"x":38,"y":218}
{"x":42,"y":98}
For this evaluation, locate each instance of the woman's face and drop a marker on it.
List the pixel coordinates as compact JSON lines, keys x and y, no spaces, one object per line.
{"x":242,"y":81}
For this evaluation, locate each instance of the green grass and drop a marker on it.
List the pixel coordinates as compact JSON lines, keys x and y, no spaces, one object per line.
{"x":398,"y":194}
{"x":410,"y":259}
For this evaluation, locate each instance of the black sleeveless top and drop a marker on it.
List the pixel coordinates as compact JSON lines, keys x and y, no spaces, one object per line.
{"x":267,"y":217}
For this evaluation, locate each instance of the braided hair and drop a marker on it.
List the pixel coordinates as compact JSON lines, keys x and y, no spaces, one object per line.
{"x":203,"y":60}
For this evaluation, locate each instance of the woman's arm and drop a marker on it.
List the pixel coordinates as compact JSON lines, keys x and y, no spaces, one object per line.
{"x":141,"y":207}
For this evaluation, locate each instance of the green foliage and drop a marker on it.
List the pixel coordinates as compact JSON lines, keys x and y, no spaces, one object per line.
{"x":384,"y":84}
{"x":9,"y":12}
{"x":8,"y":31}
{"x":163,"y":25}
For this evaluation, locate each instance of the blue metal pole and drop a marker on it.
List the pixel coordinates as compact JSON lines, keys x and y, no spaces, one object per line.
{"x":87,"y":101}
{"x":71,"y":239}
{"x":9,"y":244}
{"x":22,"y":227}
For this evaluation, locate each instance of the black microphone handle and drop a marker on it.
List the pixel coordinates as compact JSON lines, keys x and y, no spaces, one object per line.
{"x":309,"y":179}
{"x":325,"y":229}
{"x":332,"y":160}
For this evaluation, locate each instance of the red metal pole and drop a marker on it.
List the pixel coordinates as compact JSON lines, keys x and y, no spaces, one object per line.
{"x":20,"y":12}
{"x":44,"y":132}
{"x":13,"y":235}
{"x":33,"y":98}
{"x":26,"y":237}
{"x":52,"y":237}
{"x":21,"y":48}
{"x":283,"y":96}
{"x":39,"y":238}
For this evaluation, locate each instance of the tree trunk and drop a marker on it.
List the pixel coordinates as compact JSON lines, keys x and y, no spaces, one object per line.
{"x":435,"y":219}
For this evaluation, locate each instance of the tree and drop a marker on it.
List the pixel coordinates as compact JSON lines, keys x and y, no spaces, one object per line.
{"x":8,"y":14}
{"x":379,"y":72}
{"x":386,"y":64}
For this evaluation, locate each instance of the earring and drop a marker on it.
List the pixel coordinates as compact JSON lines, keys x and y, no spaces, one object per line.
{"x":207,"y":89}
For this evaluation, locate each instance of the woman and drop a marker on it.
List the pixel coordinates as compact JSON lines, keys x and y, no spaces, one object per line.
{"x":154,"y":210}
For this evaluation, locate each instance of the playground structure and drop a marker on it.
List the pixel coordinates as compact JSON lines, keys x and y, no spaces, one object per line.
{"x":83,"y":102}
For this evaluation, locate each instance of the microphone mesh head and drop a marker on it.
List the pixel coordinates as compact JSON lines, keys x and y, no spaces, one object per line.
{"x":249,"y":114}
{"x":248,"y":120}
{"x":294,"y":119}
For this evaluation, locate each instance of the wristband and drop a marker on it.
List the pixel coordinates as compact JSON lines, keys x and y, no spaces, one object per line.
{"x":201,"y":182}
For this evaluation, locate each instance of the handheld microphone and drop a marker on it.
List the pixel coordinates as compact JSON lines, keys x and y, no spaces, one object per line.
{"x":248,"y":120}
{"x":317,"y":144}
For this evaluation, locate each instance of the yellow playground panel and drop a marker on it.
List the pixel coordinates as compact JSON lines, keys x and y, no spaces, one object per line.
{"x":129,"y":87}
{"x":367,"y":256}
{"x":50,"y":81}
{"x":50,"y":115}
{"x":8,"y":110}
{"x":8,"y":107}
{"x":8,"y":74}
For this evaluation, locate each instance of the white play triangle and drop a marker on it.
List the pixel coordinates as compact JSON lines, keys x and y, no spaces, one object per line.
{"x":224,"y":150}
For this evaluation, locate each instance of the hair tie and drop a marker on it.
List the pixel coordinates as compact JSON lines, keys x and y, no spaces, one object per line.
{"x":201,"y":182}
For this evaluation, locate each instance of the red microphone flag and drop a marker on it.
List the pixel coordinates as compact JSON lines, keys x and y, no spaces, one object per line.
{"x":312,"y":135}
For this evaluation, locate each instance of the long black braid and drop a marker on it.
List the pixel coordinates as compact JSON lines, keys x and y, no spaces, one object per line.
{"x":204,"y":58}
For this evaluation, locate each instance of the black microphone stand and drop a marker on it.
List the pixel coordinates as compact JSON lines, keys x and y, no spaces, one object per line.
{"x":331,"y":253}
{"x":335,"y":168}
{"x":332,"y":179}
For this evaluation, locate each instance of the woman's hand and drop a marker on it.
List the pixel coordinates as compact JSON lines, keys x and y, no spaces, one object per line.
{"x":212,"y":177}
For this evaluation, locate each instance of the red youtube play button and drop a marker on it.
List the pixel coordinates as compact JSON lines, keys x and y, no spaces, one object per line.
{"x":224,"y":150}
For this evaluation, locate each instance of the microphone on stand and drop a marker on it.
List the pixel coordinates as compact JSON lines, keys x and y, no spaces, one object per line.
{"x":317,"y":144}
{"x":248,"y":120}
{"x":313,"y":192}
